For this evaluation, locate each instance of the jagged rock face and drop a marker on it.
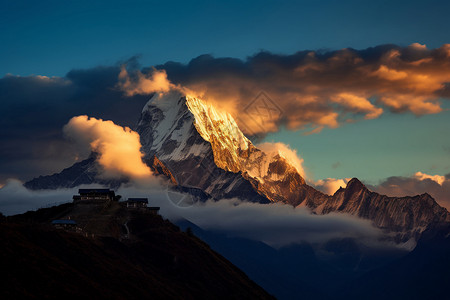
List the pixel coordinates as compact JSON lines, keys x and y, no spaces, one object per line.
{"x":281,"y":183}
{"x":407,"y":216}
{"x":158,"y":167}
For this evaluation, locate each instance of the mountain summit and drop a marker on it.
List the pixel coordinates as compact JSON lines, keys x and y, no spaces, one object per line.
{"x":202,"y":149}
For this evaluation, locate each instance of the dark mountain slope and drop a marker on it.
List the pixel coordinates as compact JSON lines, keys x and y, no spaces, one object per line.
{"x":83,"y":172}
{"x":156,"y":261}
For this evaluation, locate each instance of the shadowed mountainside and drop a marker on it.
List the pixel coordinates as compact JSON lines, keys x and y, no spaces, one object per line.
{"x":154,"y":260}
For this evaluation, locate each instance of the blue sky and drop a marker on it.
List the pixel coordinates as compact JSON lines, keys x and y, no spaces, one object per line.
{"x":52,"y":38}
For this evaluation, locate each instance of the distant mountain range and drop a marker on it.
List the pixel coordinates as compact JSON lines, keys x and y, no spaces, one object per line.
{"x":202,"y":150}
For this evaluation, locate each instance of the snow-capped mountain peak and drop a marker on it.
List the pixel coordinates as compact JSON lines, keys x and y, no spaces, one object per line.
{"x":170,"y":120}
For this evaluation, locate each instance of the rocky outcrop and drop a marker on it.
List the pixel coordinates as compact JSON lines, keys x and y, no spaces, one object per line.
{"x":407,"y":216}
{"x":159,"y":168}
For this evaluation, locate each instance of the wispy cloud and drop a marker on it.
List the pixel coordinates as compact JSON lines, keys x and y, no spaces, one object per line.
{"x":330,"y":185}
{"x":139,"y":83}
{"x":278,"y":224}
{"x":436,"y":178}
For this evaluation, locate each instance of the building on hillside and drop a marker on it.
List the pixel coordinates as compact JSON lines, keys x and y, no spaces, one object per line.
{"x":95,"y":195}
{"x":136,"y":202}
{"x":140,"y":203}
{"x":153,"y":209}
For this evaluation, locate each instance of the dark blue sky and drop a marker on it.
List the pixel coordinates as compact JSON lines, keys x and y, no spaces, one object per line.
{"x":52,"y":37}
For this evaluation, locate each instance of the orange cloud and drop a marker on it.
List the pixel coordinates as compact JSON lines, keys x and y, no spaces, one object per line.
{"x":273,"y":149}
{"x":358,"y":104}
{"x":418,"y":105}
{"x":436,"y":178}
{"x":144,"y":83}
{"x":331,"y":185}
{"x":389,"y":74}
{"x":314,"y":89}
{"x":119,"y":147}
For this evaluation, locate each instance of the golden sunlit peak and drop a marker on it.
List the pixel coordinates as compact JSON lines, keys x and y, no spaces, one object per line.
{"x":210,"y":123}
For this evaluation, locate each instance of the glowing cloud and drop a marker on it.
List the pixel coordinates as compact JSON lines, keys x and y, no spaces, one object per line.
{"x":143,"y":83}
{"x":316,"y":89}
{"x":358,"y":104}
{"x":437,"y":178}
{"x":119,"y":147}
{"x":273,"y":149}
{"x":330,"y":185}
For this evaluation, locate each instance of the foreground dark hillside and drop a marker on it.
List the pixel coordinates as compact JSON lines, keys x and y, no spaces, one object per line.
{"x":152,"y":259}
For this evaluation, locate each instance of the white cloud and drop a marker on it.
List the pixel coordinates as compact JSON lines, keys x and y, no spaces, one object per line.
{"x":278,"y":224}
{"x":15,"y":198}
{"x":275,"y":224}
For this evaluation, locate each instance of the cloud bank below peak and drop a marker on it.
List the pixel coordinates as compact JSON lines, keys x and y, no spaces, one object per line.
{"x":275,"y":224}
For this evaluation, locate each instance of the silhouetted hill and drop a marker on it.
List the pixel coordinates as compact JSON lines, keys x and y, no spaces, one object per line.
{"x":150,"y":258}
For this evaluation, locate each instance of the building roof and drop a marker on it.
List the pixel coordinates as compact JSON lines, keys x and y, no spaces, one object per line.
{"x":65,"y":222}
{"x":153,"y":208}
{"x":94,"y":191}
{"x":143,"y":200}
